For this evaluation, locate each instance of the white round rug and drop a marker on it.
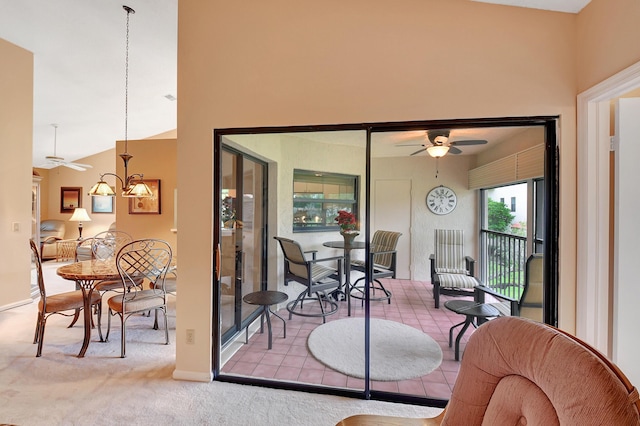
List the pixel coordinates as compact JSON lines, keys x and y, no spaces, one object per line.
{"x":398,"y":351}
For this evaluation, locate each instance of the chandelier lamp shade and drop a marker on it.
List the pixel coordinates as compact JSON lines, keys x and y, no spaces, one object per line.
{"x":80,"y":215}
{"x":132,"y":185}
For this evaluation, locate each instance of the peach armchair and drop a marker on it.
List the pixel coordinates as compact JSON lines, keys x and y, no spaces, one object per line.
{"x":518,"y":371}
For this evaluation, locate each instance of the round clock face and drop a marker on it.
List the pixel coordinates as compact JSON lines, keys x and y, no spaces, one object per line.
{"x":441,"y":200}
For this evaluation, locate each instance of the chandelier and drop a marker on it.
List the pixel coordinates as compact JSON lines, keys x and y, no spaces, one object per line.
{"x":132,"y":185}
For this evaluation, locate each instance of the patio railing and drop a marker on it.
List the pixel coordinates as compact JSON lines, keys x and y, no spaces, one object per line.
{"x":502,"y":262}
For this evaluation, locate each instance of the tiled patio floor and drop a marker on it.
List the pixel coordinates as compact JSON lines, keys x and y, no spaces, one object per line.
{"x":411,"y":304}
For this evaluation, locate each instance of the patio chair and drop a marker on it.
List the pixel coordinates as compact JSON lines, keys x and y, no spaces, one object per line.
{"x":319,"y":280}
{"x":529,"y":305}
{"x":382,"y":264}
{"x":452,"y":272}
{"x":147,"y":259}
{"x":56,"y":303}
{"x":518,"y":371}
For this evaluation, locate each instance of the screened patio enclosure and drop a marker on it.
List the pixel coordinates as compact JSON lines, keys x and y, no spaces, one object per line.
{"x":382,"y":174}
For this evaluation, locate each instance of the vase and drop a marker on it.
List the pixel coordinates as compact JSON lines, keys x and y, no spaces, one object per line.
{"x":349,"y":236}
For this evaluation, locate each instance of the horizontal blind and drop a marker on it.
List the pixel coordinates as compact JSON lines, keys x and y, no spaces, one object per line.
{"x":530,"y":163}
{"x":523,"y":165}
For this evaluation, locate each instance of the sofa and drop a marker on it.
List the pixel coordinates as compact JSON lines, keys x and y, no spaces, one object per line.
{"x":51,"y":231}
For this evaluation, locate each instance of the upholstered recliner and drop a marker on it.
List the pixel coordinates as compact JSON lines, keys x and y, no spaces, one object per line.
{"x":51,"y":231}
{"x":520,"y":372}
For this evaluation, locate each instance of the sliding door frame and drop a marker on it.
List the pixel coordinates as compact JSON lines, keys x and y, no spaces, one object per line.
{"x":551,"y":218}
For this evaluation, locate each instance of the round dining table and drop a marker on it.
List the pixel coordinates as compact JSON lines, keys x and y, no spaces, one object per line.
{"x":86,"y":274}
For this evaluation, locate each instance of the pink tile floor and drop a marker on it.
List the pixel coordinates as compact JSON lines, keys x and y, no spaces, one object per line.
{"x":411,"y":304}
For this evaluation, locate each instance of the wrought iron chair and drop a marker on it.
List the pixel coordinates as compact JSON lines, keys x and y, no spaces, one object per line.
{"x":529,"y":305}
{"x":452,"y":272}
{"x":105,"y":246}
{"x":57,"y":303}
{"x":382,"y":264}
{"x":149,"y":260}
{"x":319,"y":280}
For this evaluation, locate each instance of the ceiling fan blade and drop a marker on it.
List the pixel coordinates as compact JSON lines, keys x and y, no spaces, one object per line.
{"x":418,"y":151}
{"x":410,"y":144}
{"x":74,"y":166}
{"x":86,"y":166}
{"x":454,"y":150}
{"x":469,"y":142}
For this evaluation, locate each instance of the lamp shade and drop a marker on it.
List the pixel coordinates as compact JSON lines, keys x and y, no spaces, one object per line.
{"x":80,"y":215}
{"x":101,"y":188}
{"x":138,"y":189}
{"x":437,"y":151}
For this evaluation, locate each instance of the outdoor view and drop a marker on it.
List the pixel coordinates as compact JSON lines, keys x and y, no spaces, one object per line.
{"x":505,"y":238}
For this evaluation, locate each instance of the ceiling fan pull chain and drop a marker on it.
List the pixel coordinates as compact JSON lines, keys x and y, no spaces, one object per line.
{"x":437,"y":158}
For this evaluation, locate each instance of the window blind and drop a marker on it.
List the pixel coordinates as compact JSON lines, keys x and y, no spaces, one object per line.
{"x":527,"y":164}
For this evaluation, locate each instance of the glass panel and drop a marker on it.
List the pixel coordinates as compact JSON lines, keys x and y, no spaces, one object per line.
{"x":242,"y":235}
{"x":401,"y":174}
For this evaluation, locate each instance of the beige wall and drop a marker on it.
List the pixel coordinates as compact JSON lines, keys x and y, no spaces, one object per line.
{"x":16,"y":134}
{"x":156,"y":159}
{"x":285,"y":63}
{"x":608,"y":31}
{"x":54,"y":179}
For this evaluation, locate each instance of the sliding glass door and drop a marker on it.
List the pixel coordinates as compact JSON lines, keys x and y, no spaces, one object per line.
{"x":308,"y":183}
{"x":242,"y":239}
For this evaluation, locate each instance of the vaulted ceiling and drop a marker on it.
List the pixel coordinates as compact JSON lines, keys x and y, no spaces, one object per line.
{"x":79,"y":68}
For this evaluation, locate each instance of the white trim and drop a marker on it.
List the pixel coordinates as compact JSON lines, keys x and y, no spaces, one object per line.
{"x":592,"y":287}
{"x":192,"y":376}
{"x":16,"y":304}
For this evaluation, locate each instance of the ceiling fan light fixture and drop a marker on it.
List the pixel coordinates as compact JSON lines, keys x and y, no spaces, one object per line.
{"x":437,"y":151}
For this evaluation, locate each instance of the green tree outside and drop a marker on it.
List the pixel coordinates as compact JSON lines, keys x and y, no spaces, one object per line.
{"x":499,"y":216}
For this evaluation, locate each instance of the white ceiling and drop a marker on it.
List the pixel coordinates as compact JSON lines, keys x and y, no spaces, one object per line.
{"x":79,"y":70}
{"x":569,"y":6}
{"x":79,"y":63}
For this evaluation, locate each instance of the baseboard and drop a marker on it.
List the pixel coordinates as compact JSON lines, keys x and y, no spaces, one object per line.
{"x":16,"y":304}
{"x":192,"y":376}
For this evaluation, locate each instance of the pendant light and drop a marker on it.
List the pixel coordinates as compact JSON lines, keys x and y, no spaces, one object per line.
{"x":132,"y":185}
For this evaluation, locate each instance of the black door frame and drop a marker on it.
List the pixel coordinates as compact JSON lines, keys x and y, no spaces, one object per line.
{"x":551,"y":213}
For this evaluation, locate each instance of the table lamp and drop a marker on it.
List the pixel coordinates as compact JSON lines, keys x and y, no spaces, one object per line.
{"x":80,"y":215}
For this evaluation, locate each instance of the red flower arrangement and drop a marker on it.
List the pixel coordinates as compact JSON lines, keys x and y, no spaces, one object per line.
{"x":346,"y":220}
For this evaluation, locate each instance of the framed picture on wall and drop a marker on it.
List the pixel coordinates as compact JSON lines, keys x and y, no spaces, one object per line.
{"x":70,"y":198}
{"x":102,"y":203}
{"x":147,"y":205}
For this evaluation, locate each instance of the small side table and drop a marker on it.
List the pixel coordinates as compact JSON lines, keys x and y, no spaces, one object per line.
{"x":265,"y":299}
{"x":471,"y":310}
{"x":65,"y":250}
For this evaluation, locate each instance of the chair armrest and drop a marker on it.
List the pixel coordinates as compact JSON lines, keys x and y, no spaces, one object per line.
{"x":470,"y":265}
{"x":50,"y":240}
{"x":313,"y":253}
{"x":432,"y":261}
{"x":479,"y":292}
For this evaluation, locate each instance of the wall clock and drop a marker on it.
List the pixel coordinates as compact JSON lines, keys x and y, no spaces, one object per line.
{"x":441,"y":200}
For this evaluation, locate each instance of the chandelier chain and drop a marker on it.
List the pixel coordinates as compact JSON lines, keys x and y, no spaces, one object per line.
{"x":126,"y":85}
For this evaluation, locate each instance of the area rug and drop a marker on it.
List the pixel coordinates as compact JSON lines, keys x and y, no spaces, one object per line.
{"x":398,"y":351}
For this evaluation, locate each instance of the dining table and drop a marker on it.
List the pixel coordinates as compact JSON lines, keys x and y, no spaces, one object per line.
{"x":86,"y":274}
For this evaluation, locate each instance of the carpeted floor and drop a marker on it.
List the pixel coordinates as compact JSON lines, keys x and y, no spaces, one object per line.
{"x":399,"y":352}
{"x":103,"y":389}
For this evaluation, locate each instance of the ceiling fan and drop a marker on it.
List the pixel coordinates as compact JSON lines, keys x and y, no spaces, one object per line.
{"x":54,"y":160}
{"x":439,"y":144}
